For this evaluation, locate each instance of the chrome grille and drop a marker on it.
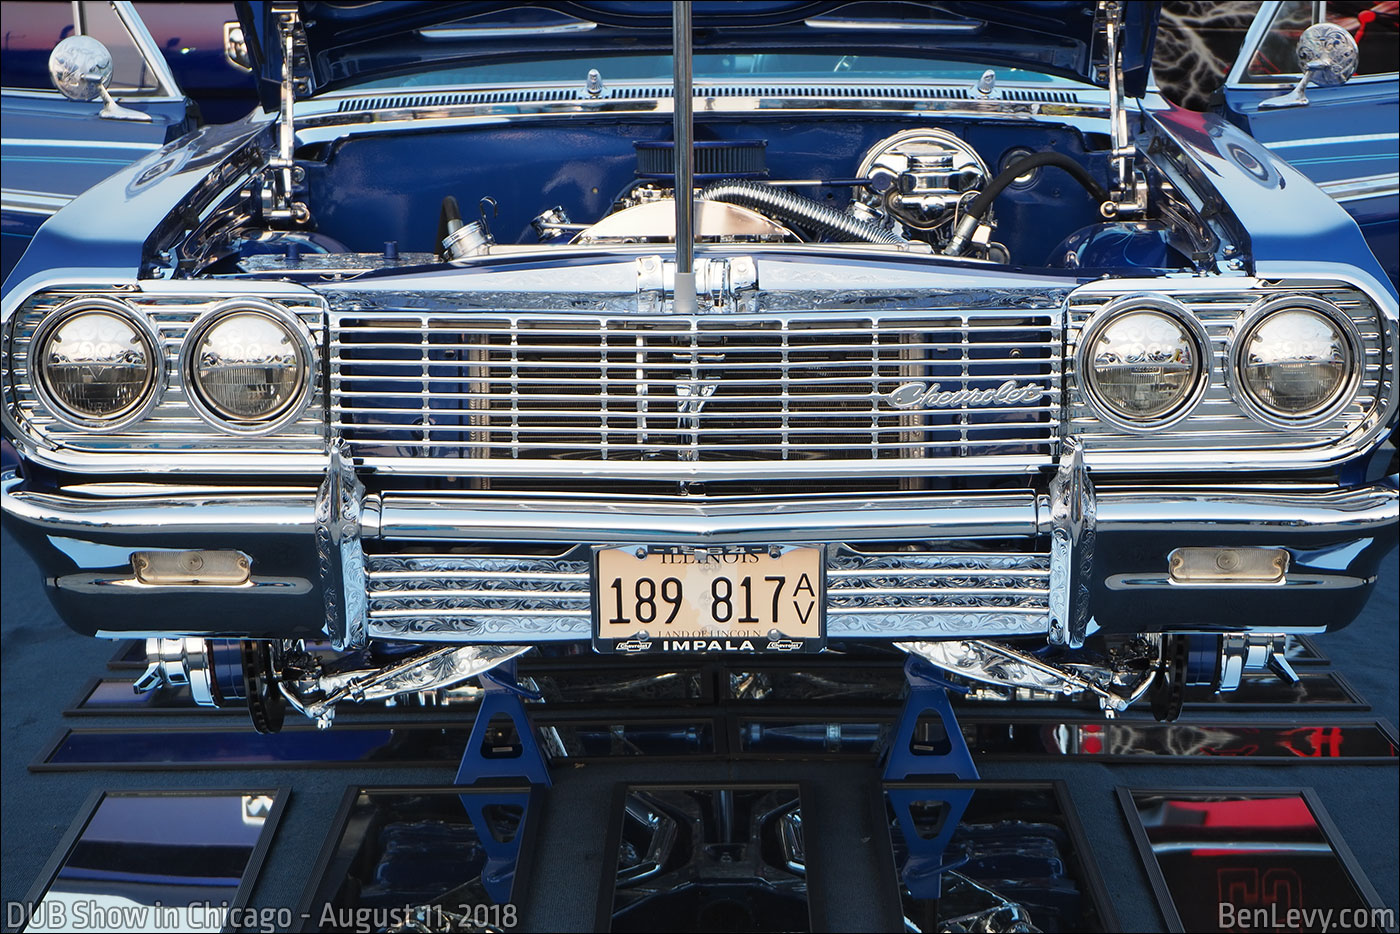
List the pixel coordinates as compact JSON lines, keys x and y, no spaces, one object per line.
{"x":801,"y":389}
{"x":492,"y":597}
{"x":1219,"y":423}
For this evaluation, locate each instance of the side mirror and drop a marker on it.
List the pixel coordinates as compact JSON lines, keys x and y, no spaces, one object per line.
{"x":1327,"y":54}
{"x":236,"y":47}
{"x":81,"y":68}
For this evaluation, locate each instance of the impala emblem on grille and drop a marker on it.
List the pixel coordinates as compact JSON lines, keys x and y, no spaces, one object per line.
{"x":926,"y":396}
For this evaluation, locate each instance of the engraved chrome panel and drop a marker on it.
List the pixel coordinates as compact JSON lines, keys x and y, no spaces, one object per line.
{"x":340,"y":559}
{"x":498,"y":596}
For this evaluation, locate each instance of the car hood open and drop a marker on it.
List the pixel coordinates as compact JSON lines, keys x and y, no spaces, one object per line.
{"x":344,"y":43}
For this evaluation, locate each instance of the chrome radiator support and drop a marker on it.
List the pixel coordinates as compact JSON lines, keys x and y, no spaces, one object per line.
{"x":1072,"y":508}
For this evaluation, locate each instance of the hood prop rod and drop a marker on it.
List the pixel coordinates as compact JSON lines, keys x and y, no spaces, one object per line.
{"x":684,"y":295}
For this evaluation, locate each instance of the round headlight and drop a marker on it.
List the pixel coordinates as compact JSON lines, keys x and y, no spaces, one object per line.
{"x":247,"y":367}
{"x":1295,"y":361}
{"x":1143,"y":362}
{"x":97,"y":364}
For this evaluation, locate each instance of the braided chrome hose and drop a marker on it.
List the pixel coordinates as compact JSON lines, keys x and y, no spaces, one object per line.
{"x":799,"y":209}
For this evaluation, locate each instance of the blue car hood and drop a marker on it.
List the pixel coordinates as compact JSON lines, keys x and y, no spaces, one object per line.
{"x":351,"y":42}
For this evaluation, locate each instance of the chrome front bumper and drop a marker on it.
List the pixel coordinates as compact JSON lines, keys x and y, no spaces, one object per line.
{"x":335,"y":561}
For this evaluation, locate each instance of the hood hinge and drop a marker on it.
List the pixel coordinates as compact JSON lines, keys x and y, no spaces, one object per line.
{"x":282,"y":175}
{"x":1128,"y":188}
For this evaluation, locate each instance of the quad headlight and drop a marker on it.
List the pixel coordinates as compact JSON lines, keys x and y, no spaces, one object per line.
{"x":1295,"y":361}
{"x":247,"y":367}
{"x":1143,"y":362}
{"x":97,"y":364}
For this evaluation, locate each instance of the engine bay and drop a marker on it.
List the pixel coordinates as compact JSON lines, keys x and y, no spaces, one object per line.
{"x":1019,"y":194}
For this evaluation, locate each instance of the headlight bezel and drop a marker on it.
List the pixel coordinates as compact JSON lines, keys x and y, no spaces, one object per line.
{"x":1143,"y":303}
{"x":1243,"y":332}
{"x":157,"y":375}
{"x":306,"y":359}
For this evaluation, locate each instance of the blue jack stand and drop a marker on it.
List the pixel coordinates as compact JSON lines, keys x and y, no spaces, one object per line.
{"x":911,"y":757}
{"x":502,"y":696}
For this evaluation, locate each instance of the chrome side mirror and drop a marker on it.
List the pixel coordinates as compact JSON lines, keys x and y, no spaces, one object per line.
{"x":1327,"y":54}
{"x":81,"y":68}
{"x":236,"y":46}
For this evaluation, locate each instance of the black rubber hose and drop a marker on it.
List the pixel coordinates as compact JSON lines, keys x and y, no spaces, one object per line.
{"x":979,"y":206}
{"x":1006,"y":176}
{"x":447,"y":215}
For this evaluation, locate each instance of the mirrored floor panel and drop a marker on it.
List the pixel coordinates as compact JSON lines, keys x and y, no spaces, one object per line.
{"x":993,"y":857}
{"x":1267,"y":859}
{"x":138,"y":861}
{"x":706,"y":858}
{"x":423,"y":859}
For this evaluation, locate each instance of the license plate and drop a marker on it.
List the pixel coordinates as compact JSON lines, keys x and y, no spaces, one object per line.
{"x":731,"y":599}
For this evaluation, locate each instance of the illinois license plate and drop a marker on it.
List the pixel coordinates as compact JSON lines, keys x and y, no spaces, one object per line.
{"x":731,"y":599}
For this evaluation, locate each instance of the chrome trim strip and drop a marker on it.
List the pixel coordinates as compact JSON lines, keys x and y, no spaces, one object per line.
{"x":78,"y":144}
{"x":62,"y":514}
{"x":450,"y":33}
{"x":486,"y":518}
{"x":1332,"y":140}
{"x":1366,"y":186}
{"x":32,"y":202}
{"x":910,"y":25}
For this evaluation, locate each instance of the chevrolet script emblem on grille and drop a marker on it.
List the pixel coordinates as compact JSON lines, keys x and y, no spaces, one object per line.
{"x":925,"y":396}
